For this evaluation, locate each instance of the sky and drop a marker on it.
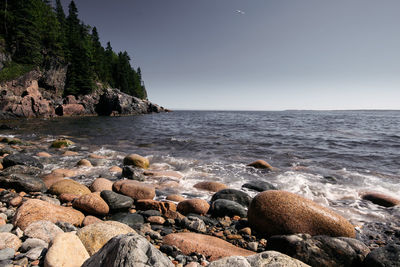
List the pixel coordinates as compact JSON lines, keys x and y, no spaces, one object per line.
{"x":257,"y":54}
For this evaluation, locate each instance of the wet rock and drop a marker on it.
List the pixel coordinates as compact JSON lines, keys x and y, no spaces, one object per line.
{"x":133,"y":173}
{"x":376,"y":234}
{"x":21,"y":159}
{"x":116,"y":201}
{"x":66,"y":250}
{"x":149,"y":213}
{"x":223,"y":207}
{"x":64,"y":172}
{"x":91,"y":204}
{"x":259,"y":186}
{"x":381,"y":199}
{"x":66,"y":226}
{"x":232,"y":194}
{"x":148,"y":204}
{"x":115,"y":169}
{"x":128,"y":251}
{"x":8,"y":240}
{"x":194,"y":224}
{"x":137,"y":161}
{"x":197,"y":205}
{"x":388,"y":256}
{"x":101,"y":184}
{"x":23,"y":182}
{"x":70,"y":153}
{"x":94,"y":236}
{"x":21,"y":169}
{"x":84,"y":163}
{"x":261,"y":164}
{"x":278,"y":212}
{"x":210,"y":246}
{"x":176,"y":198}
{"x":321,"y":251}
{"x":6,"y":254}
{"x":133,"y":220}
{"x":36,"y":210}
{"x":43,"y":230}
{"x":156,"y":220}
{"x":134,"y":189}
{"x":31,"y":243}
{"x":62,"y":143}
{"x":51,"y":179}
{"x":67,"y":186}
{"x":210,"y":186}
{"x":43,"y":155}
{"x":174,"y":175}
{"x":267,"y":258}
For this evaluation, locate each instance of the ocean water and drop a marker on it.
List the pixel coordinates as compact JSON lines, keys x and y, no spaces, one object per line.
{"x":331,"y":157}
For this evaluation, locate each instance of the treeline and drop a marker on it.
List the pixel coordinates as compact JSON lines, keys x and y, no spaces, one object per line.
{"x":36,"y":33}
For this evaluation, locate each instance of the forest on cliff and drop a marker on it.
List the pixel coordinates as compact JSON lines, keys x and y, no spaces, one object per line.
{"x":38,"y":34}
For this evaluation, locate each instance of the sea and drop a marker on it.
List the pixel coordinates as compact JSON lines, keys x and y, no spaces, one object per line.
{"x":331,"y":157}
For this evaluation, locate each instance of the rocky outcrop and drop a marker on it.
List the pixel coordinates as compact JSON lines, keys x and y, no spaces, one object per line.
{"x":38,"y":93}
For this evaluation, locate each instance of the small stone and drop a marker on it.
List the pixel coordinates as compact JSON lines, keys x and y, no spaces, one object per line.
{"x":148,"y":204}
{"x":224,"y":207}
{"x":156,"y":220}
{"x":8,"y":240}
{"x":137,"y":160}
{"x":116,"y":201}
{"x":69,"y":153}
{"x":44,"y":230}
{"x":194,"y":224}
{"x":61,"y":143}
{"x":210,"y":186}
{"x":69,"y":187}
{"x":66,"y":226}
{"x":84,"y":163}
{"x":33,"y":243}
{"x":34,"y":253}
{"x":134,"y":189}
{"x":64,"y":172}
{"x":115,"y":169}
{"x":381,"y":199}
{"x":253,"y":246}
{"x":101,"y":184}
{"x":176,"y":198}
{"x":16,"y":201}
{"x":43,"y":155}
{"x":261,"y":164}
{"x":91,"y":204}
{"x":246,"y":231}
{"x":198,"y":206}
{"x":133,"y":173}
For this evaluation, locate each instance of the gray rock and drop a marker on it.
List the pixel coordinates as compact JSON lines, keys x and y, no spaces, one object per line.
{"x":6,"y":228}
{"x":321,"y":250}
{"x":133,"y":220}
{"x":253,"y":246}
{"x":44,"y":230}
{"x":388,"y":256}
{"x":116,"y":201}
{"x":268,"y":258}
{"x":35,"y":253}
{"x":224,"y":207}
{"x":133,"y":173}
{"x":22,"y":169}
{"x":234,"y":195}
{"x":194,"y":224}
{"x":51,"y":200}
{"x":21,"y":159}
{"x":66,"y":226}
{"x":6,"y":254}
{"x":31,"y":243}
{"x":130,"y":250}
{"x":259,"y":186}
{"x":23,"y":182}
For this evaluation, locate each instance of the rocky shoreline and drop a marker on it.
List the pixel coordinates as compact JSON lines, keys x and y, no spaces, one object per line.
{"x":39,"y":94}
{"x":130,"y":215}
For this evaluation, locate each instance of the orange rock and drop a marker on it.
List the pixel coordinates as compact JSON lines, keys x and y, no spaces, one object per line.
{"x":170,"y":214}
{"x":90,"y":220}
{"x":51,"y":179}
{"x":68,"y":197}
{"x":16,"y":201}
{"x":148,"y":204}
{"x":2,"y":221}
{"x":84,"y":163}
{"x":70,"y":187}
{"x":134,"y":189}
{"x":115,"y":169}
{"x":261,"y":164}
{"x":69,"y":153}
{"x":43,"y":155}
{"x":64,"y":172}
{"x":92,"y":204}
{"x":210,"y":186}
{"x":176,"y":198}
{"x":156,"y":220}
{"x":36,"y":210}
{"x":197,"y":205}
{"x":209,"y":246}
{"x":101,"y":184}
{"x":276,"y":212}
{"x":1,"y":166}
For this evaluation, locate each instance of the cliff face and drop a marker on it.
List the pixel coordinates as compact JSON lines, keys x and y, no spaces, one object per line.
{"x":39,"y":94}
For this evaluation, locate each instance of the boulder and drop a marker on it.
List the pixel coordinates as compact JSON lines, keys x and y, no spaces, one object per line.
{"x":133,"y":220}
{"x":197,"y":205}
{"x":209,"y":246}
{"x":128,"y":250}
{"x":67,"y":186}
{"x":277,"y":212}
{"x":148,"y":204}
{"x":62,"y":143}
{"x":101,"y":184}
{"x":387,"y":256}
{"x":92,"y":204}
{"x":210,"y":186}
{"x":232,"y":194}
{"x":116,"y":201}
{"x":259,"y":186}
{"x":23,"y":182}
{"x":36,"y":210}
{"x":134,"y":189}
{"x":21,"y":159}
{"x":43,"y":230}
{"x":66,"y":250}
{"x":223,"y":207}
{"x":261,"y":164}
{"x":381,"y":199}
{"x":9,"y":240}
{"x":137,"y":161}
{"x":321,"y":251}
{"x":94,"y":236}
{"x":267,"y":258}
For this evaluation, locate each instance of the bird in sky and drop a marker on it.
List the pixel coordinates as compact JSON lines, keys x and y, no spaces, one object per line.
{"x":240,"y":12}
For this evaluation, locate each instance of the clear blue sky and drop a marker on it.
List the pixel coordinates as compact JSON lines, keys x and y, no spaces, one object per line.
{"x":258,"y":54}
